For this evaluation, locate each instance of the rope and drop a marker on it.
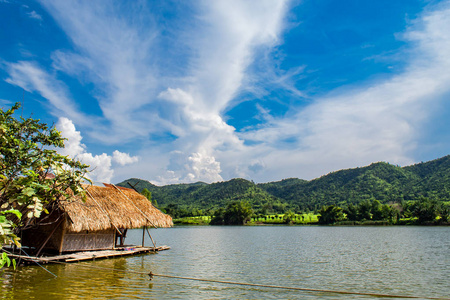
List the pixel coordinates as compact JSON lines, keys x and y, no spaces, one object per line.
{"x":32,"y":260}
{"x":151,"y":275}
{"x":148,"y":219}
{"x":293,"y":288}
{"x":106,"y":213}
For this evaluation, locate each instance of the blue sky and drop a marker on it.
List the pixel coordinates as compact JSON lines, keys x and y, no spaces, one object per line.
{"x":186,"y":91}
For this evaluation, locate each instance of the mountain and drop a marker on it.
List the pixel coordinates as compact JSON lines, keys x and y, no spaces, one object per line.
{"x":208,"y":196}
{"x":381,"y":181}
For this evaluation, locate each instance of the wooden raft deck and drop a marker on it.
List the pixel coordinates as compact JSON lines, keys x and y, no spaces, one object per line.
{"x":88,"y":255}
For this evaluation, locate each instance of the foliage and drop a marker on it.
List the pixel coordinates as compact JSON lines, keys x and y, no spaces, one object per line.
{"x":183,"y":200}
{"x":236,"y":213}
{"x":147,"y":194}
{"x":32,"y":173}
{"x":330,"y":214}
{"x":426,"y":210}
{"x":380,"y":191}
{"x":382,"y":181}
{"x":5,"y":260}
{"x":370,"y":210}
{"x":289,"y":217}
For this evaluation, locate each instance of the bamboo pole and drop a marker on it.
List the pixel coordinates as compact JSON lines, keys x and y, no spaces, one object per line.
{"x":153,"y":242}
{"x":106,"y":213}
{"x":148,"y":219}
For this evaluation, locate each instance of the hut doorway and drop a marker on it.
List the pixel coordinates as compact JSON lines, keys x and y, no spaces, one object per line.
{"x":120,"y":237}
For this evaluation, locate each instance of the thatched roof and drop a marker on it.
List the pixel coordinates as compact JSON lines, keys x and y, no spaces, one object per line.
{"x":112,"y":207}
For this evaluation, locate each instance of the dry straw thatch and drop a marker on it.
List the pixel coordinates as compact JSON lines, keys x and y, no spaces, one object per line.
{"x":112,"y":207}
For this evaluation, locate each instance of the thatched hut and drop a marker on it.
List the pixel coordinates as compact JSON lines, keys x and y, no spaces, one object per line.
{"x":95,"y":222}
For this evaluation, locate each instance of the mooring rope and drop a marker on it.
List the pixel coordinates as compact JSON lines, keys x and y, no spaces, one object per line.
{"x":294,"y":288}
{"x":31,"y":260}
{"x":104,"y":211}
{"x":151,"y":275}
{"x":132,"y":202}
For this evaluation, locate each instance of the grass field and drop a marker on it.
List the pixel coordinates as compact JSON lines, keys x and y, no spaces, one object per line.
{"x":200,"y":220}
{"x":266,"y":219}
{"x":279,"y":219}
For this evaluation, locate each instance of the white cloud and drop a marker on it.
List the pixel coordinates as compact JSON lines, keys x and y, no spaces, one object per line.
{"x":226,"y":45}
{"x":203,"y":167}
{"x":115,"y":53}
{"x":195,"y":167}
{"x":101,"y":166}
{"x":35,"y":15}
{"x":142,"y":92}
{"x":73,"y":145}
{"x":117,"y":49}
{"x":124,"y":158}
{"x":379,"y":121}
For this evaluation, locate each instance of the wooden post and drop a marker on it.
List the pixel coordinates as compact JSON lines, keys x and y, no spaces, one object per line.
{"x":153,"y":242}
{"x":51,"y":234}
{"x":61,"y":244}
{"x":143,"y":235}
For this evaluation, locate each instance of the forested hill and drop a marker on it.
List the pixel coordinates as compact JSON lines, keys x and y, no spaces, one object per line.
{"x":206,"y":197}
{"x":381,"y":181}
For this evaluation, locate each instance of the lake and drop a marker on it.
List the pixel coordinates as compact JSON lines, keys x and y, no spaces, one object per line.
{"x":412,"y":261}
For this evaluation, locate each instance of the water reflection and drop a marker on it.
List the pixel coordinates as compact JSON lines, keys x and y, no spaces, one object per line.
{"x":391,"y":260}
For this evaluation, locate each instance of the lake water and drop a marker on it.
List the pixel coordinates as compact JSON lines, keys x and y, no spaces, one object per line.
{"x":412,"y":261}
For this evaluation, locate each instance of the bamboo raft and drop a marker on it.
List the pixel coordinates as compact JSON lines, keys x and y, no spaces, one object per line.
{"x":87,"y":255}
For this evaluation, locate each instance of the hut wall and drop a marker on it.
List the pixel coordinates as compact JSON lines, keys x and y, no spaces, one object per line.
{"x":36,"y":237}
{"x":88,"y":240}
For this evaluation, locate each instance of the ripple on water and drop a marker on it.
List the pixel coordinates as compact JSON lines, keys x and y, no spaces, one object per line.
{"x":392,"y":260}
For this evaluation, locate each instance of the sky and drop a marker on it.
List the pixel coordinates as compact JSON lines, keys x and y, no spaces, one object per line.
{"x":210,"y":90}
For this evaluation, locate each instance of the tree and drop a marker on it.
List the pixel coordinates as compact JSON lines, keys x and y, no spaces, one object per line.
{"x":445,"y":213}
{"x":172,"y":210}
{"x":218,"y":217}
{"x":426,"y":210}
{"x":364,"y":210}
{"x":377,"y":210}
{"x":352,"y":212}
{"x":330,"y":214}
{"x":289,"y":217}
{"x":147,"y":194}
{"x":32,"y":174}
{"x":388,"y":212}
{"x":236,"y":213}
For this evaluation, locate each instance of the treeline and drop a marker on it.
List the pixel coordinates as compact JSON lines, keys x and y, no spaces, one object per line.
{"x":423,"y":211}
{"x":382,"y":182}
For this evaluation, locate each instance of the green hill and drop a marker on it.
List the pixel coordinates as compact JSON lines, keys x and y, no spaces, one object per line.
{"x":381,"y":181}
{"x":205,"y":197}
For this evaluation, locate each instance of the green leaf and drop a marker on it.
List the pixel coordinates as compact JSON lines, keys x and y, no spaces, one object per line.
{"x":29,"y":191}
{"x":13,"y":211}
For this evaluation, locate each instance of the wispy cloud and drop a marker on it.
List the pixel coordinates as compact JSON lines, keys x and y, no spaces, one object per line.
{"x":226,"y":45}
{"x":119,"y":49}
{"x":5,"y":102}
{"x":32,"y":78}
{"x":118,"y":55}
{"x":377,"y":121}
{"x":34,"y":15}
{"x":177,"y":80}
